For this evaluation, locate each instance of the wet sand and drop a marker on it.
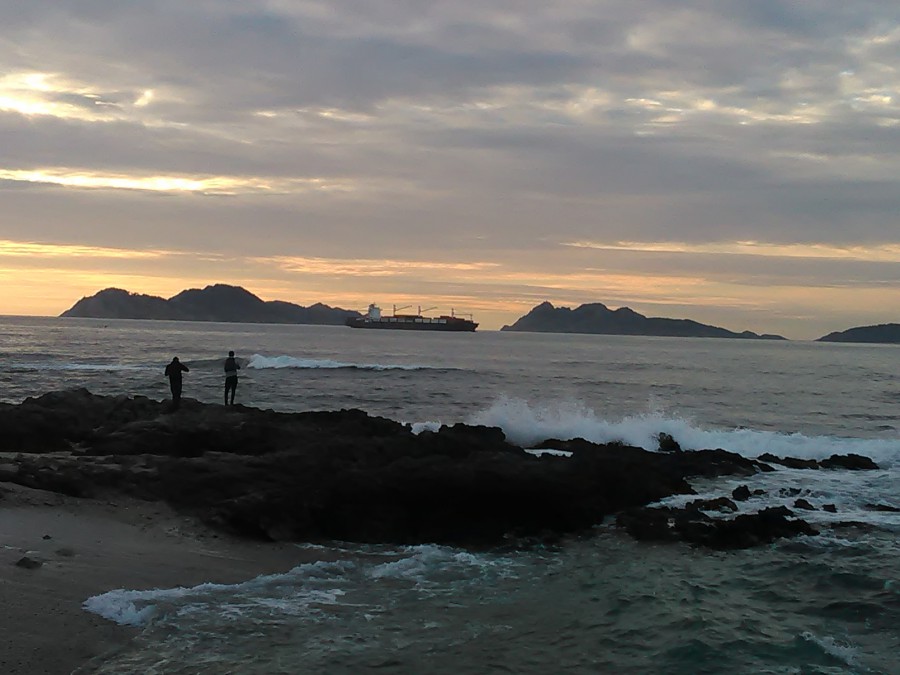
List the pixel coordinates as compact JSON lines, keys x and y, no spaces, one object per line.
{"x":88,"y":547}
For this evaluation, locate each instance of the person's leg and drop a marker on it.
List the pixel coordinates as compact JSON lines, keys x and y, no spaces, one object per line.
{"x":233,"y":390}
{"x":226,"y":391}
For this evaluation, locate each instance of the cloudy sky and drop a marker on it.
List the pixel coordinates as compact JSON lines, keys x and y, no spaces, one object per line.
{"x":736,"y":162}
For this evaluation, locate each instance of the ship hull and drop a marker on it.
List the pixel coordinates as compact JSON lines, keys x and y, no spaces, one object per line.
{"x":452,"y":325}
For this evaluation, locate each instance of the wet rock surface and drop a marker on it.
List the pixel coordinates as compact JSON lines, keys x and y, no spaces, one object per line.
{"x":346,"y":475}
{"x":850,"y":461}
{"x":693,"y":525}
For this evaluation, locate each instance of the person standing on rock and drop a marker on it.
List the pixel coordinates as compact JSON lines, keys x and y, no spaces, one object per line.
{"x":173,"y":372}
{"x":231,"y":379}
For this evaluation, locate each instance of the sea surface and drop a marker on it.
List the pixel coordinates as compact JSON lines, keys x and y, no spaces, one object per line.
{"x":601,"y":603}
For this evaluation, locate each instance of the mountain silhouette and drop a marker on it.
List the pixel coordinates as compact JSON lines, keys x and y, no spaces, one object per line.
{"x":597,"y":318}
{"x":219,"y":302}
{"x":885,"y":333}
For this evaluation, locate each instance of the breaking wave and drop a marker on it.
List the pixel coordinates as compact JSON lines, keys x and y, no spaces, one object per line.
{"x":139,"y":607}
{"x":526,"y":424}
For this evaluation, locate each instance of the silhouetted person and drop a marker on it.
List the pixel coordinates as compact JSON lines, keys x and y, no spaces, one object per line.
{"x":173,"y":372}
{"x":231,"y":368}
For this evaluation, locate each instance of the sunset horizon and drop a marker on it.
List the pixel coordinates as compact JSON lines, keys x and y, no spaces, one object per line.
{"x":734,"y":165}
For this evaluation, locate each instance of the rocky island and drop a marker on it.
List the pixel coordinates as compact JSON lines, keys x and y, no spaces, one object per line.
{"x":884,"y":333}
{"x":597,"y":318}
{"x":219,"y":302}
{"x":345,"y":475}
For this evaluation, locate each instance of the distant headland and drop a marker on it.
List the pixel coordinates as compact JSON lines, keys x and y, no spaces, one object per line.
{"x":596,"y":318}
{"x":219,"y":302}
{"x":885,"y":333}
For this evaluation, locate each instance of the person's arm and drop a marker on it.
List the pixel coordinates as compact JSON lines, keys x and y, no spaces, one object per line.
{"x":184,"y":368}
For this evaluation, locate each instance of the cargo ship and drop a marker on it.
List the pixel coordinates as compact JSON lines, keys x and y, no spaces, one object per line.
{"x":373,"y":319}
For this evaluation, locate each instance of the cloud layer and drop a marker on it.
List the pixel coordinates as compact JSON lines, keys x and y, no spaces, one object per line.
{"x":733,"y":162}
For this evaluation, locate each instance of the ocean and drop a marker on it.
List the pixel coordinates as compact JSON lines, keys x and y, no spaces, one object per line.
{"x":596,"y":603}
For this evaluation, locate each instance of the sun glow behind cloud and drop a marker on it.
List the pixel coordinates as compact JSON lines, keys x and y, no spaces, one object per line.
{"x":372,"y":268}
{"x":34,"y":250}
{"x":48,"y":94}
{"x":210,"y":185}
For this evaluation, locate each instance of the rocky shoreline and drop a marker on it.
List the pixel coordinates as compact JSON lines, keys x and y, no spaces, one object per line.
{"x":345,"y":475}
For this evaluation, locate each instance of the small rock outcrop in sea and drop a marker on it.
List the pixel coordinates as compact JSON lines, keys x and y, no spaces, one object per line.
{"x":741,"y":493}
{"x":692,"y":525}
{"x":346,"y":475}
{"x":849,"y":461}
{"x":29,"y":563}
{"x":667,"y":443}
{"x":884,"y":508}
{"x":804,"y":505}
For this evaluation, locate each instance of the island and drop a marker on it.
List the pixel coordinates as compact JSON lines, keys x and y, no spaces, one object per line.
{"x":219,"y":302}
{"x":883,"y":333}
{"x":597,"y":318}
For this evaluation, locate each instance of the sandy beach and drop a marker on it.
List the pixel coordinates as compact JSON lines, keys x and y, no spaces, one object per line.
{"x":87,"y":547}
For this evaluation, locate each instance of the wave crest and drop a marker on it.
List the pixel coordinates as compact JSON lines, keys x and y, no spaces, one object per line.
{"x":526,"y":424}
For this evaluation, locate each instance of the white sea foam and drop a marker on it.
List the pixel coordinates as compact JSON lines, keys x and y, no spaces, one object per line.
{"x":418,"y":427}
{"x":851,"y":493}
{"x":843,"y":652}
{"x":137,"y":608}
{"x":428,"y":564}
{"x":526,"y":424}
{"x":260,"y":362}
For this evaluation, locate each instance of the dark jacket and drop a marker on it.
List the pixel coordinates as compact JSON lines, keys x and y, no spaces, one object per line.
{"x":231,"y":367}
{"x":174,"y":370}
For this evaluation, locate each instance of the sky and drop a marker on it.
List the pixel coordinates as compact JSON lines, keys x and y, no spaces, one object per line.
{"x":734,"y":162}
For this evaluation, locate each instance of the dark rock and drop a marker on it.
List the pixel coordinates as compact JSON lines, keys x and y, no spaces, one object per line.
{"x":851,"y":461}
{"x":28,"y":563}
{"x":744,"y":531}
{"x":830,"y":508}
{"x":647,"y":524}
{"x":741,"y":493}
{"x":667,"y":443}
{"x":718,"y":504}
{"x":789,"y":462}
{"x":343,"y":474}
{"x":885,"y":508}
{"x":803,"y":504}
{"x":853,"y":525}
